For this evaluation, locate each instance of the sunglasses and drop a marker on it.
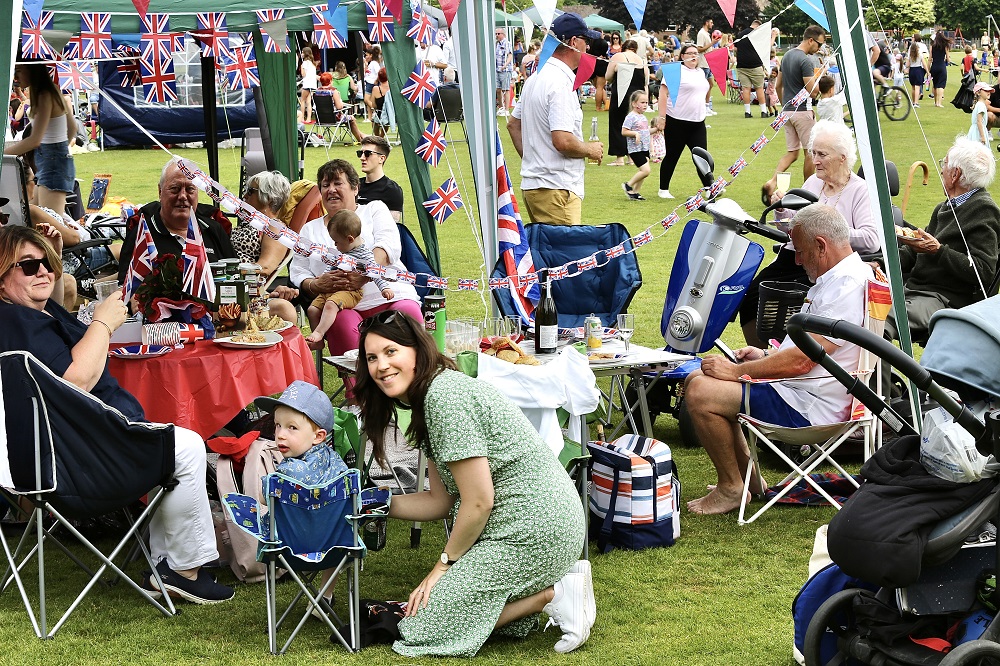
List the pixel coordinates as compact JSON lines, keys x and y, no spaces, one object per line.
{"x":384,"y":317}
{"x":249,"y":191}
{"x":30,"y":266}
{"x":369,"y":153}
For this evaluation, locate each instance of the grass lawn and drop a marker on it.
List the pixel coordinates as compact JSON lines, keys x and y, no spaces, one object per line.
{"x":720,"y":596}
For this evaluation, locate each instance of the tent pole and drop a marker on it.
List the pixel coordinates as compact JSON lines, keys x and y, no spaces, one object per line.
{"x":8,"y":51}
{"x":211,"y":122}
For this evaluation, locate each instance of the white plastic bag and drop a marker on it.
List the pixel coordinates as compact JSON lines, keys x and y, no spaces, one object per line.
{"x":948,"y":451}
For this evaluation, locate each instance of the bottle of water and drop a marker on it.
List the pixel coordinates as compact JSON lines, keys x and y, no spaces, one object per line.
{"x":593,"y":129}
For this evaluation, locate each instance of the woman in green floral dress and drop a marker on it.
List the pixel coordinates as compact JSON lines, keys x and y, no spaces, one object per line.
{"x":518,"y":520}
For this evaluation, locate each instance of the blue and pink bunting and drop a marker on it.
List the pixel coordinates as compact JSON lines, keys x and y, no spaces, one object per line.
{"x":672,"y":79}
{"x":814,"y":10}
{"x":637,"y":10}
{"x":549,"y":45}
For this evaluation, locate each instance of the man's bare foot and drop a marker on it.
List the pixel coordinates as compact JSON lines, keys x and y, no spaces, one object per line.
{"x":756,"y":488}
{"x":718,"y":501}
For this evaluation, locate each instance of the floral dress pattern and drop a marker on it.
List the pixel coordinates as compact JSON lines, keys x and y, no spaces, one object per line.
{"x":532,"y":538}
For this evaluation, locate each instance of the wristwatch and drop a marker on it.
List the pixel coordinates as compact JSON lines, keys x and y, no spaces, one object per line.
{"x":446,"y":561}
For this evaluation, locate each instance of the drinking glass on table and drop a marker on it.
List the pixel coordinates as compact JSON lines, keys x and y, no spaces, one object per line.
{"x":513,"y":327}
{"x":626,"y":327}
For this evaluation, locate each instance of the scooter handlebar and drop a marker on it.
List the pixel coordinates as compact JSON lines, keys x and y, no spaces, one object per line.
{"x":767,"y":232}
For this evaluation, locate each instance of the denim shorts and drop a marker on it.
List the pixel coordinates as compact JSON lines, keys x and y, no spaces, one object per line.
{"x":766,"y":405}
{"x":54,"y":167}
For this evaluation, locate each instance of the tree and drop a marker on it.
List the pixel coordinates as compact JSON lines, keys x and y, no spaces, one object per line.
{"x":967,"y":14}
{"x":903,"y":15}
{"x":792,"y":23}
{"x":660,"y":14}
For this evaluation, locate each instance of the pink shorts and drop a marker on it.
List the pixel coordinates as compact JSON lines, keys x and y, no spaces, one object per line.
{"x":798,"y":128}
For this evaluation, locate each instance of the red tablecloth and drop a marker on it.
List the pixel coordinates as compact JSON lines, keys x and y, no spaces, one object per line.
{"x":204,"y":385}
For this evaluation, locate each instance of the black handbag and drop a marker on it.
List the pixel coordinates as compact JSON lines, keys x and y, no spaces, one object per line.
{"x":965,"y":98}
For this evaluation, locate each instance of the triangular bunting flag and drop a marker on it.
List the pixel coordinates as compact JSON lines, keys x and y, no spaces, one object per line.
{"x":547,"y":11}
{"x":672,"y":79}
{"x":57,"y":40}
{"x":449,"y":8}
{"x":584,"y":70}
{"x":623,"y":78}
{"x":814,"y":10}
{"x":637,"y":9}
{"x":329,"y":9}
{"x":141,"y":6}
{"x":33,"y":8}
{"x":277,"y":36}
{"x":395,"y":8}
{"x":728,"y":8}
{"x":330,"y":30}
{"x":718,"y":63}
{"x":549,"y":45}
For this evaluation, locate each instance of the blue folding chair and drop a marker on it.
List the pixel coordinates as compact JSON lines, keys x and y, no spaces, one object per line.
{"x":415,"y":260}
{"x":605,"y":291}
{"x":305,"y":530}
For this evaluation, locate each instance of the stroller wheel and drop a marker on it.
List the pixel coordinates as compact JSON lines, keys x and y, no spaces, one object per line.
{"x":973,"y":653}
{"x":828,"y":624}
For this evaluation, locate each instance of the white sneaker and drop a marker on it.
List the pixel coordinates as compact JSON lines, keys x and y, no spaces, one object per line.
{"x":567,"y":610}
{"x":665,"y":194}
{"x":590,"y":605}
{"x":501,"y":112}
{"x":712,"y":112}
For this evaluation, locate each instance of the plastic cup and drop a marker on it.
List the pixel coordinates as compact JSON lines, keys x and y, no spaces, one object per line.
{"x":105,"y":288}
{"x":784,"y":181}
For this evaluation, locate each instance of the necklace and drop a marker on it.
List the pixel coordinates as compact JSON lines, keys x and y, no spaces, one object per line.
{"x":832,"y":201}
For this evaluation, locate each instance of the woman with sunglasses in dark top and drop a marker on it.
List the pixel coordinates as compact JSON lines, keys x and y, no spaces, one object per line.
{"x":518,"y":525}
{"x":182,"y":537}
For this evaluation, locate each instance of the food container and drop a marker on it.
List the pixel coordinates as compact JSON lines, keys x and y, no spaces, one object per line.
{"x":232,"y":266}
{"x":166,"y":333}
{"x":218,"y":269}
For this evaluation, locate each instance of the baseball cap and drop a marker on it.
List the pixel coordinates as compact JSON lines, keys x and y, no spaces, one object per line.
{"x":982,"y":85}
{"x":569,"y":24}
{"x":305,"y":398}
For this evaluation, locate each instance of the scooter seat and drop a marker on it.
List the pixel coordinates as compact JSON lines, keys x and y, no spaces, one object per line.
{"x":948,"y":536}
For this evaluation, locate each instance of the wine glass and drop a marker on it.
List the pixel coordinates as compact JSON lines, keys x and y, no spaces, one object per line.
{"x":513,"y":327}
{"x":626,"y":327}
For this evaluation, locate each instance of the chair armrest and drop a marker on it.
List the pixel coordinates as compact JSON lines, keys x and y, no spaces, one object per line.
{"x":86,"y":245}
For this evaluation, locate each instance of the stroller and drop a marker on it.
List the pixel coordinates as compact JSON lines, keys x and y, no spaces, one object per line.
{"x":931,"y":573}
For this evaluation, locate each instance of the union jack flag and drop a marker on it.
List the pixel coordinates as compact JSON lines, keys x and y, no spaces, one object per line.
{"x":95,"y":35}
{"x":33,"y":44}
{"x":738,"y":166}
{"x":421,"y":29}
{"x":499,"y":283}
{"x":468,"y":285}
{"x":330,"y":33}
{"x":129,"y":70}
{"x":301,"y":250}
{"x":759,"y":144}
{"x":670,"y":220}
{"x":158,"y":82}
{"x":330,"y":260}
{"x":375,"y":270}
{"x":800,"y":97}
{"x":380,"y":22}
{"x":717,"y":187}
{"x":444,"y":201}
{"x":241,"y":68}
{"x":432,"y":143}
{"x":512,"y":242}
{"x":528,"y":279}
{"x":212,"y":33}
{"x":421,"y":86}
{"x":642,"y":239}
{"x":616,"y":251}
{"x":156,"y":41}
{"x":406,"y":276}
{"x":694,"y":202}
{"x":266,"y":16}
{"x":76,"y":76}
{"x":347,"y":262}
{"x":587,"y":264}
{"x":143,"y":256}
{"x":436,"y":282}
{"x":72,"y":49}
{"x":779,"y":121}
{"x":197,"y":279}
{"x":558,"y":273}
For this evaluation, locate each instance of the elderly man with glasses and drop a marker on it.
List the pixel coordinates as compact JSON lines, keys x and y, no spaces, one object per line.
{"x":376,"y":186}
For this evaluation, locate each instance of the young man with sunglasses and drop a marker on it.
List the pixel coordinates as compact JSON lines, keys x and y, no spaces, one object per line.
{"x":376,"y":186}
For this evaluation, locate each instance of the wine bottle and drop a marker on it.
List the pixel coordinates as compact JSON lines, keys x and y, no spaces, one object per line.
{"x":546,"y":318}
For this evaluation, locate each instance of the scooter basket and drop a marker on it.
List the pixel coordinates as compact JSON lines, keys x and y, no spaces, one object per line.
{"x":963,"y":350}
{"x":778,"y":302}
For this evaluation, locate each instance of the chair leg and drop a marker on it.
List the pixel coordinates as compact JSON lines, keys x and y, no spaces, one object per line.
{"x":270,"y":592}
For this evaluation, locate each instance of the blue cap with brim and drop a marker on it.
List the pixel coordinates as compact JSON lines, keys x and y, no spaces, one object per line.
{"x":305,"y":398}
{"x":569,"y":25}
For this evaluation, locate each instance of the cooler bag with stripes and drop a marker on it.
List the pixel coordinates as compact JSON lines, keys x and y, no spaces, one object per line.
{"x":634,"y":494}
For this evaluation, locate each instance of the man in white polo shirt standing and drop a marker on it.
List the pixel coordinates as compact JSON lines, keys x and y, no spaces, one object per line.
{"x":547,"y":130}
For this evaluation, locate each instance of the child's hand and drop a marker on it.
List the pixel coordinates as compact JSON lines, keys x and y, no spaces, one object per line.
{"x":387,"y":294}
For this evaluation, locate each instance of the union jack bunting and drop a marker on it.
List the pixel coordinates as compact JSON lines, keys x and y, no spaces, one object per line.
{"x":436,"y":282}
{"x":642,"y":239}
{"x":468,"y":285}
{"x":330,"y":33}
{"x":301,"y":251}
{"x":432,"y":143}
{"x":129,"y":70}
{"x":286,"y":236}
{"x":197,"y":280}
{"x":738,"y":166}
{"x":72,"y":49}
{"x":375,"y":270}
{"x":213,"y":35}
{"x":759,"y":144}
{"x":406,"y":276}
{"x":33,"y":44}
{"x":241,"y":68}
{"x":800,"y":97}
{"x":380,"y":22}
{"x":558,"y":273}
{"x":587,"y":264}
{"x":528,"y":279}
{"x":421,"y":29}
{"x":512,"y":242}
{"x":329,"y":260}
{"x":499,"y":282}
{"x":616,"y":251}
{"x":347,"y":262}
{"x":272,"y":232}
{"x":143,"y":256}
{"x":158,"y":82}
{"x":779,"y":121}
{"x":444,"y":201}
{"x":76,"y":76}
{"x":717,"y":187}
{"x":95,"y":35}
{"x":421,"y":86}
{"x":670,"y":220}
{"x":156,"y":41}
{"x":266,"y":16}
{"x":694,"y":202}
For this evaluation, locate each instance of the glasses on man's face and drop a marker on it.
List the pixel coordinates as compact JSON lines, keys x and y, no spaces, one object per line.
{"x":30,"y":266}
{"x":368,"y":153}
{"x":384,"y":317}
{"x":250,"y":190}
{"x":942,"y":164}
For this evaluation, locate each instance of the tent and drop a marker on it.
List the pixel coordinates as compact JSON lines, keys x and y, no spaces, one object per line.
{"x":502,"y":20}
{"x":532,"y":15}
{"x":607,"y":25}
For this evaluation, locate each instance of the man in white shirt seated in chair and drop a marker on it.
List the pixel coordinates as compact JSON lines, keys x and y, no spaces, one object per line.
{"x":716,"y":394}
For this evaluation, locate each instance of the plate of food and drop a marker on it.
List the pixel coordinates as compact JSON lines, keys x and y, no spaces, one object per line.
{"x":250,"y":340}
{"x":906,"y":232}
{"x":598,"y":358}
{"x":140,"y":351}
{"x":263,"y":322}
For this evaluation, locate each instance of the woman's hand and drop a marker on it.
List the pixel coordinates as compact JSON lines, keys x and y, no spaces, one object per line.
{"x":338,"y":280}
{"x":112,"y":311}
{"x":420,"y":596}
{"x":286,"y":293}
{"x":52,"y":234}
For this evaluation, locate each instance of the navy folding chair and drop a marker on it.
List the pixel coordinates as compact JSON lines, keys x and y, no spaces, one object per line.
{"x":415,"y":260}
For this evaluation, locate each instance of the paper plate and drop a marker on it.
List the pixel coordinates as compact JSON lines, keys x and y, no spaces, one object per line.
{"x":140,"y":351}
{"x":595,"y":359}
{"x":270,"y":339}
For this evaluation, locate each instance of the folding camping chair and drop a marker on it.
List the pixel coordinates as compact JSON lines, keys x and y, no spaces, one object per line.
{"x":49,"y":462}
{"x":735,"y":90}
{"x":306,"y":530}
{"x":335,"y":125}
{"x":446,"y":106}
{"x":14,"y":188}
{"x":824,"y":440}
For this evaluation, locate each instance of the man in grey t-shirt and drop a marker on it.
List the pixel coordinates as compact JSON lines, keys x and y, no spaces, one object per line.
{"x":798,"y":70}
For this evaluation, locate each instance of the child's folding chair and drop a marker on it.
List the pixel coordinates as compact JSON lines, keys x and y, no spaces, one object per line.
{"x":305,"y":530}
{"x":824,"y":440}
